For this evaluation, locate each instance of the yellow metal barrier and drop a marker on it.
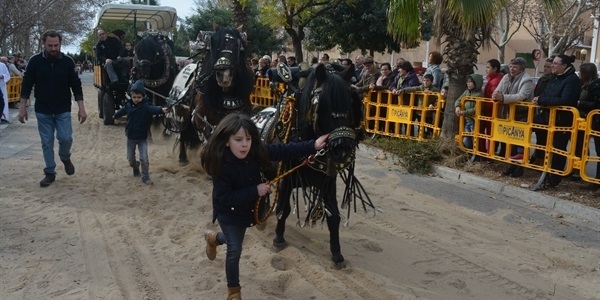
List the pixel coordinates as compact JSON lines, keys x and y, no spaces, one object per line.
{"x":512,"y":128}
{"x":13,"y":88}
{"x":592,"y":133}
{"x":263,"y":95}
{"x":415,"y":116}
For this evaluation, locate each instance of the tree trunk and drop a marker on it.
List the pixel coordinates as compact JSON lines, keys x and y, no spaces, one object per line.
{"x":501,"y":54}
{"x":240,"y":18}
{"x":297,"y":37}
{"x":461,"y":56}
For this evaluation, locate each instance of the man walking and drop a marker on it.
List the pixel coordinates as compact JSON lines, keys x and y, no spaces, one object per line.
{"x":54,"y":76}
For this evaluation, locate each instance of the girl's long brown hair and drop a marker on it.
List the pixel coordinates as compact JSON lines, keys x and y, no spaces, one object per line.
{"x":212,"y":153}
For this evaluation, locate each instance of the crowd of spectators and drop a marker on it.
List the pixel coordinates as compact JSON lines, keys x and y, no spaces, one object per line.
{"x":505,"y":83}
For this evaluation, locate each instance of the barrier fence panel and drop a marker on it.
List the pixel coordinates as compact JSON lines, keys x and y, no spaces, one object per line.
{"x":414,"y":116}
{"x":98,"y":76}
{"x":263,"y":94}
{"x":13,"y":88}
{"x":523,"y":128}
{"x":591,"y":155}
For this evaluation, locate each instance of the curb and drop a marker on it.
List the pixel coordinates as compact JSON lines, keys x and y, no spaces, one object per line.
{"x":563,"y":206}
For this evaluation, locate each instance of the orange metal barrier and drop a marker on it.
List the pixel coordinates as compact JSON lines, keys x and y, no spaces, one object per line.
{"x":263,"y":94}
{"x":13,"y":88}
{"x":414,"y":116}
{"x":513,"y":127}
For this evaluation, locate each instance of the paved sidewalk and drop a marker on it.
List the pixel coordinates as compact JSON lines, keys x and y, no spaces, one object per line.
{"x":525,"y":195}
{"x":531,"y":197}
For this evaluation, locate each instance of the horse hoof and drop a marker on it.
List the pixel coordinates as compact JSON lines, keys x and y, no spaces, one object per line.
{"x":279,"y":244}
{"x":337,"y":258}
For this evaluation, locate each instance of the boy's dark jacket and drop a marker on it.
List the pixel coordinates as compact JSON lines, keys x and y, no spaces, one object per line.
{"x":234,"y":189}
{"x":139,"y":118}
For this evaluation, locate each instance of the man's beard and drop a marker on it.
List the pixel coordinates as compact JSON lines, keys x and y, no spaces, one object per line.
{"x":53,"y":54}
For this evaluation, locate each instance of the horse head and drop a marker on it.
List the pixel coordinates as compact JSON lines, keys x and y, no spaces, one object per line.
{"x":329,"y":105}
{"x":223,"y":68}
{"x":228,"y":45}
{"x":153,"y":59}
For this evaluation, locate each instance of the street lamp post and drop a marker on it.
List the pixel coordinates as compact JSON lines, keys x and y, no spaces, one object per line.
{"x":583,"y":53}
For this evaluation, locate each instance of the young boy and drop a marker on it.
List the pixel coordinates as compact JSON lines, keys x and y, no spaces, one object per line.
{"x":427,"y":86}
{"x":474,"y":84}
{"x":139,"y":118}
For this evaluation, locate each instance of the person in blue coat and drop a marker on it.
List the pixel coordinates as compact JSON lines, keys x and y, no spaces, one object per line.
{"x":240,"y":165}
{"x":139,"y":118}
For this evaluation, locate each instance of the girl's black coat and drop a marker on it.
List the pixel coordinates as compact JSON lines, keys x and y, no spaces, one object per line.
{"x":234,"y":189}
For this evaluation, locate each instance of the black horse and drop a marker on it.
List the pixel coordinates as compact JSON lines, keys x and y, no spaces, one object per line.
{"x":326,"y":105}
{"x":154,"y":64}
{"x":223,"y":84}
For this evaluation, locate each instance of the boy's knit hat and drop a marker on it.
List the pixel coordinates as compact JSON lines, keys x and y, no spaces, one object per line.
{"x":138,"y":87}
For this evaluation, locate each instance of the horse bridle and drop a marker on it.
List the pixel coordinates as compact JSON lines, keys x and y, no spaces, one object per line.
{"x":167,"y":53}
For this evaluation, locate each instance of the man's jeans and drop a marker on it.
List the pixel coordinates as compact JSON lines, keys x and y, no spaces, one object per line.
{"x":47,"y":125}
{"x":233,"y":236}
{"x":112,"y":73}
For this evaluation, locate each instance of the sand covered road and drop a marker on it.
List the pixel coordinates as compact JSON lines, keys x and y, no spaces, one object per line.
{"x":102,"y":234}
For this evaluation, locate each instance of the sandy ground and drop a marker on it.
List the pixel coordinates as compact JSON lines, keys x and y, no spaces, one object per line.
{"x":102,"y":234}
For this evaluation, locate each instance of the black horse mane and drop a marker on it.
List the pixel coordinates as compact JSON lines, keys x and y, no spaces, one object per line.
{"x":244,"y":79}
{"x":335,"y":97}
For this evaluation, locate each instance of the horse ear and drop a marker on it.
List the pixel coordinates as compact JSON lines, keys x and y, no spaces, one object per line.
{"x":320,"y":73}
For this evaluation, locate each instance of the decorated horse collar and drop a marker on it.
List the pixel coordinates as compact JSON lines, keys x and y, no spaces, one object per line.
{"x":232,"y":103}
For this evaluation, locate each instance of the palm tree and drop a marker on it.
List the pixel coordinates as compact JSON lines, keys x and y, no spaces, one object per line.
{"x":240,"y":17}
{"x":462,"y":27}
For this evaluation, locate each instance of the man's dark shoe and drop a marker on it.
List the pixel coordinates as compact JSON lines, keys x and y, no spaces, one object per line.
{"x":69,"y":167}
{"x":48,"y":180}
{"x":147,"y":181}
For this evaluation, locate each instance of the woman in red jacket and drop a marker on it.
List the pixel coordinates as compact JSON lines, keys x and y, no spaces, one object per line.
{"x":492,"y":68}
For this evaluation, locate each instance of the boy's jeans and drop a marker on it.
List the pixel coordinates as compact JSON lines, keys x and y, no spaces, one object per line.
{"x":469,"y":127}
{"x":142,"y":146}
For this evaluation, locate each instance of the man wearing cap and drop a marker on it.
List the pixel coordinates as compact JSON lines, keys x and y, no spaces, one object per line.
{"x":369,"y":76}
{"x":108,"y":49}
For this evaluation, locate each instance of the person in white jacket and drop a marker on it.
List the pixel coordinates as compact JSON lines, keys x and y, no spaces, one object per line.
{"x":4,"y":78}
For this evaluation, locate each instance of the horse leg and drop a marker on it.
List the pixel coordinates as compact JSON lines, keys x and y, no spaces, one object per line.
{"x":333,"y":224}
{"x":183,"y":161}
{"x":283,"y":212}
